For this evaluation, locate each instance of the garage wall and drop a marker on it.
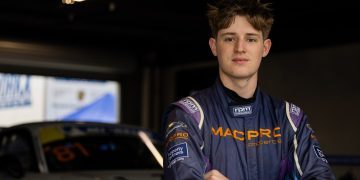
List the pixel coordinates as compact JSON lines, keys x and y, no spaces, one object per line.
{"x":77,"y":62}
{"x":325,"y":83}
{"x":64,"y":60}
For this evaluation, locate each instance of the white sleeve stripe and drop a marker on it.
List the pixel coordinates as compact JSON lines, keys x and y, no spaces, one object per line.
{"x":289,"y":117}
{"x":201,"y":112}
{"x":202,"y":146}
{"x":296,"y":156}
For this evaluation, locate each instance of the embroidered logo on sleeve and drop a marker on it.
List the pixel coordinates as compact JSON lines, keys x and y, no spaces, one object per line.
{"x":295,"y":114}
{"x":189,"y":104}
{"x":177,"y":135}
{"x":319,"y":153}
{"x":295,"y":110}
{"x":177,"y":153}
{"x":173,"y":126}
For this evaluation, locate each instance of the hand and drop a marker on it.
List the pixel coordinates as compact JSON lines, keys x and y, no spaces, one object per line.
{"x":214,"y":175}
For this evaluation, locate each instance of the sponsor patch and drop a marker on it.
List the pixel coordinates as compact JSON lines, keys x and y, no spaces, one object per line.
{"x":177,"y":135}
{"x":250,"y":135}
{"x":174,"y":125}
{"x":295,"y":110}
{"x":319,"y":153}
{"x":177,"y":153}
{"x":241,"y":110}
{"x":189,"y":104}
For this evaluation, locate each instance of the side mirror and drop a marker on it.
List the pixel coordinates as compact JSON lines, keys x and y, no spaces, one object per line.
{"x":11,"y":166}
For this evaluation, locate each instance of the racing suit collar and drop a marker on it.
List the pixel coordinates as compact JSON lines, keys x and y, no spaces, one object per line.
{"x":237,"y":106}
{"x":236,"y":98}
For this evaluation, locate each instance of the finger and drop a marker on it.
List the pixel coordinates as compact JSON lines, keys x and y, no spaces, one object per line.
{"x":214,"y":175}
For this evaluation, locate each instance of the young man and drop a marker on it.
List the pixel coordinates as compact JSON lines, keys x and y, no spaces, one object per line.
{"x":233,"y":130}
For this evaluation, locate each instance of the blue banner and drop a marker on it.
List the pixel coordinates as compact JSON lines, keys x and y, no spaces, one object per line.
{"x":14,"y":90}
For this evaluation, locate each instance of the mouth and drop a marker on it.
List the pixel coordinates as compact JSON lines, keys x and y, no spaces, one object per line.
{"x":240,"y":60}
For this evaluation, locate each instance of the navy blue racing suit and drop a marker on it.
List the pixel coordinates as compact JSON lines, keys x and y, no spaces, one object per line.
{"x":257,"y":138}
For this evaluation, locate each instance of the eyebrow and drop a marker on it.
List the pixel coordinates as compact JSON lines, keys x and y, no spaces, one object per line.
{"x":247,"y":34}
{"x":252,"y":34}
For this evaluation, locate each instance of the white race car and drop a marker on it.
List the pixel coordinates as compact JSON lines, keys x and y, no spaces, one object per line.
{"x":79,"y":151}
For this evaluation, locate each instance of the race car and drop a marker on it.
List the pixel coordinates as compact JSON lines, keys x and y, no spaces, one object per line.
{"x":78,"y":150}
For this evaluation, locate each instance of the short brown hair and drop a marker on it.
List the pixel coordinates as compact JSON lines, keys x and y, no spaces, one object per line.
{"x":222,"y":14}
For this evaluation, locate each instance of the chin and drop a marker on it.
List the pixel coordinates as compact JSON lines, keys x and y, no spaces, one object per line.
{"x":242,"y":75}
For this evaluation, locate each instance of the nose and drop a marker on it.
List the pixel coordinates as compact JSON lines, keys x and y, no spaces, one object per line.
{"x":240,"y":46}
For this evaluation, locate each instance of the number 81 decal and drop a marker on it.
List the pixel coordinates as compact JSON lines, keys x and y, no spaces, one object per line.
{"x":66,"y":153}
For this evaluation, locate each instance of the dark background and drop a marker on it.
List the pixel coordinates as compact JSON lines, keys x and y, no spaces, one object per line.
{"x":158,"y":51}
{"x":165,"y":33}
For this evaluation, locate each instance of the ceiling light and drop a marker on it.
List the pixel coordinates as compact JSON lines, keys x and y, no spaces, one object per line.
{"x":71,"y":1}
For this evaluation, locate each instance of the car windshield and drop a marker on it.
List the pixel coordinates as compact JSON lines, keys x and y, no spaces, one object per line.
{"x":70,"y":147}
{"x":105,"y":152}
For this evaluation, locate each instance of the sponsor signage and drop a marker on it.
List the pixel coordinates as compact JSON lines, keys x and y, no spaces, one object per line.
{"x":14,"y":90}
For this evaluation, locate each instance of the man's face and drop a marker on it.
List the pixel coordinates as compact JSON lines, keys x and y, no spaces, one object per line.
{"x":240,"y":49}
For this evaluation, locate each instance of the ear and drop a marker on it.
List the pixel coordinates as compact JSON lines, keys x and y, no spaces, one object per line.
{"x":212,"y":44}
{"x":267,"y":46}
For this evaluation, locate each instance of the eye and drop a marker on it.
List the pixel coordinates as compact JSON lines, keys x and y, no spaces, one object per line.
{"x":252,"y":40}
{"x":229,"y":39}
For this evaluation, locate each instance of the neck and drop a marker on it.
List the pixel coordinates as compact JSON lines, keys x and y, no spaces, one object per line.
{"x":244,"y":87}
